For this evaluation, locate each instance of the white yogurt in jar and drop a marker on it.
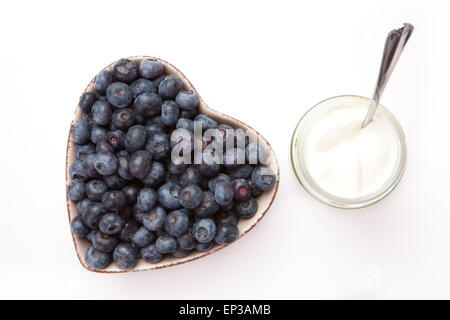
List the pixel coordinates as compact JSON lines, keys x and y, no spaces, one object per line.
{"x":344,"y":159}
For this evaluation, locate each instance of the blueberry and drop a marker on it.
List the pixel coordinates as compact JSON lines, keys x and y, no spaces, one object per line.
{"x":119,"y":94}
{"x":226,"y":233}
{"x":255,"y":153}
{"x":157,"y":81}
{"x":138,"y":215}
{"x":206,"y":122}
{"x":97,"y":259}
{"x":93,"y":214}
{"x":103,"y":146}
{"x":89,"y":235}
{"x":88,"y":117}
{"x":95,"y":189}
{"x":89,"y":166}
{"x":173,"y":178}
{"x":111,"y":223}
{"x":208,"y":207}
{"x":208,"y":170}
{"x":80,"y":133}
{"x":186,"y":124}
{"x":101,"y":112}
{"x":148,"y":104}
{"x":78,"y":227}
{"x":76,"y":170}
{"x":243,"y":172}
{"x":146,"y":199}
{"x":124,"y":168}
{"x":204,"y":182}
{"x":256,"y":192}
{"x":188,"y":114}
{"x":228,"y":207}
{"x":116,"y":138}
{"x":234,"y":158}
{"x":187,"y":100}
{"x":151,"y":254}
{"x":122,"y":153}
{"x":97,"y":134}
{"x":181,"y":253}
{"x":153,"y":126}
{"x":224,"y":192}
{"x":247,"y":208}
{"x":151,"y":68}
{"x":220,"y":177}
{"x":186,"y":241}
{"x":155,"y":219}
{"x":76,"y":190}
{"x":123,"y":118}
{"x":191,"y":196}
{"x":83,"y":205}
{"x":140,"y":164}
{"x":128,"y":230}
{"x":104,"y":242}
{"x":140,"y":119}
{"x":140,"y":86}
{"x":103,"y":79}
{"x":87,"y":99}
{"x":176,"y":168}
{"x":242,"y":189}
{"x":114,"y":181}
{"x":263,"y":178}
{"x":131,"y":193}
{"x":155,"y":176}
{"x":166,"y":244}
{"x":82,"y":151}
{"x":114,"y":200}
{"x":202,"y":247}
{"x":204,"y":230}
{"x":135,"y":138}
{"x":157,"y":119}
{"x":106,"y":163}
{"x":125,"y":70}
{"x":125,"y":256}
{"x":226,"y":217}
{"x":158,"y":145}
{"x":169,"y":87}
{"x":169,"y":113}
{"x":190,"y":176}
{"x":142,"y":237}
{"x":177,"y":223}
{"x":209,"y":166}
{"x":168,"y":196}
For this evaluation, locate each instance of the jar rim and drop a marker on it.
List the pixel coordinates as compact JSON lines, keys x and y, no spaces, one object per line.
{"x":335,"y":201}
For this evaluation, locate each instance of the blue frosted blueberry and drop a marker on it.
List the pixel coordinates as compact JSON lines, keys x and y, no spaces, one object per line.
{"x":187,"y":99}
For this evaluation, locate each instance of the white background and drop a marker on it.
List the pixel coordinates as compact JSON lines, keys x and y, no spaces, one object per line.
{"x":265,"y":63}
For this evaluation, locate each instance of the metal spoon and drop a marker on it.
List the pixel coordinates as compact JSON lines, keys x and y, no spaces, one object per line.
{"x":393,"y":47}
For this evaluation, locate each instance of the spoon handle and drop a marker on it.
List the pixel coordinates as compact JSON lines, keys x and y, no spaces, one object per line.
{"x":393,"y":47}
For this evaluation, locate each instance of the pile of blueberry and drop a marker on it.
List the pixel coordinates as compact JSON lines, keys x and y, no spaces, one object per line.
{"x":133,"y":200}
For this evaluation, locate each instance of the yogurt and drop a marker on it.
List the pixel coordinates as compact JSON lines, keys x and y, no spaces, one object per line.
{"x":343,"y":160}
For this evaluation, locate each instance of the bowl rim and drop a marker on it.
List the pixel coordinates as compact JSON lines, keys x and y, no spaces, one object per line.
{"x":374,"y":199}
{"x":198,"y":254}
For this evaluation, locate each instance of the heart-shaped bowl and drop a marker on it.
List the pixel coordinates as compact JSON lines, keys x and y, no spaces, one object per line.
{"x":265,"y":200}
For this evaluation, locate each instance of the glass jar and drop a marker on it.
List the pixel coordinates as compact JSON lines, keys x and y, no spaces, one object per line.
{"x":302,"y":131}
